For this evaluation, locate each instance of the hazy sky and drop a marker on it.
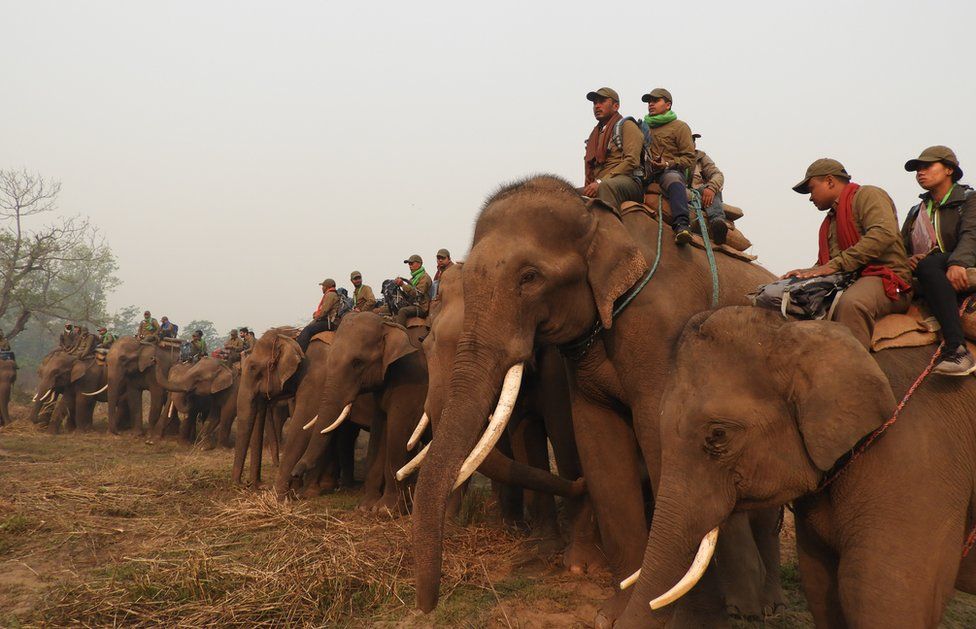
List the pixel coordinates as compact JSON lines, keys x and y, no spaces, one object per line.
{"x":235,"y":153}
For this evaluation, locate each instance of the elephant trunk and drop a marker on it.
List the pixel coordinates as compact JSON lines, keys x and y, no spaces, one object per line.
{"x":475,"y":383}
{"x":35,"y":411}
{"x":679,"y":550}
{"x":248,"y":407}
{"x":162,"y":377}
{"x":115,"y":376}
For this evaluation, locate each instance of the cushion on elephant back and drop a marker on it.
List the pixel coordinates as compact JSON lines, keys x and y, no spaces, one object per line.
{"x":732,"y":247}
{"x":915,"y":328}
{"x":735,"y":238}
{"x":170,"y":342}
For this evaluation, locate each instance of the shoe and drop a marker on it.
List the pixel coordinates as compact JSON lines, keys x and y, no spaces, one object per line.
{"x":719,"y":230}
{"x":682,"y":235}
{"x":956,"y":362}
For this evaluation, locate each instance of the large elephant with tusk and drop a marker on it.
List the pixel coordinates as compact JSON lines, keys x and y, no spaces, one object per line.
{"x":211,"y":385}
{"x":546,"y":268}
{"x":80,"y":383}
{"x":879,"y":546}
{"x":130,"y":371}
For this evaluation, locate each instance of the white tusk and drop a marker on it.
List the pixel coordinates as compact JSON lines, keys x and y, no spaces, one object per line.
{"x":96,"y":392}
{"x":311,"y":423}
{"x":170,"y":413}
{"x":629,"y":581}
{"x":34,"y":399}
{"x":413,"y":464}
{"x":44,"y":397}
{"x":339,"y":420}
{"x":695,"y":572}
{"x":418,"y":432}
{"x":496,"y":424}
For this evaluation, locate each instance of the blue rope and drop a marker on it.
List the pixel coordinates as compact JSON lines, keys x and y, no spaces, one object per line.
{"x":696,"y":206}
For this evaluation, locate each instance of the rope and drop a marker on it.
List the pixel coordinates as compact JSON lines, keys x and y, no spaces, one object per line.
{"x":271,"y":365}
{"x":713,"y":267}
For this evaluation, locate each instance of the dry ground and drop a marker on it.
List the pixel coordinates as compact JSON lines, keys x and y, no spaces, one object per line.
{"x":98,"y":530}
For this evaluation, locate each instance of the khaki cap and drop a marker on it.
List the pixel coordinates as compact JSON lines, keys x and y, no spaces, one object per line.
{"x":355,"y":274}
{"x":937,"y":153}
{"x":327,"y":282}
{"x":820,"y":168}
{"x":603,"y":92}
{"x":657,"y":92}
{"x":414,"y":258}
{"x":443,"y":253}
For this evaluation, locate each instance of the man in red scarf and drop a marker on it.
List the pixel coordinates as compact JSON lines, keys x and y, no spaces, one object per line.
{"x":612,"y":162}
{"x":859,"y":235}
{"x":325,"y":316}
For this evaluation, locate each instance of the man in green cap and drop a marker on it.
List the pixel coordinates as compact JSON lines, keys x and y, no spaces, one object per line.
{"x":324,"y":317}
{"x":417,"y":290}
{"x":672,"y":158}
{"x":612,"y":162}
{"x":858,"y":235}
{"x":362,"y":295}
{"x":940,"y":235}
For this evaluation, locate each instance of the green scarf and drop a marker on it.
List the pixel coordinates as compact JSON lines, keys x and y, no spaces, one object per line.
{"x":660,"y":119}
{"x":416,"y":275}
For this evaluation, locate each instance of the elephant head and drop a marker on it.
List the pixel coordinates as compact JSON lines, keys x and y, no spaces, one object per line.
{"x":53,"y":376}
{"x":757,"y":410}
{"x":543,"y":268}
{"x":204,"y":378}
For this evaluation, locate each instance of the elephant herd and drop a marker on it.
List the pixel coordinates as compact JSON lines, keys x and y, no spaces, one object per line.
{"x":679,"y":430}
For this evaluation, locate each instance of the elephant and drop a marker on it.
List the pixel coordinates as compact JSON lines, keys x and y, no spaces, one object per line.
{"x":542,"y":412}
{"x":8,"y":376}
{"x":547,"y":267}
{"x":209,"y":385}
{"x":128,"y":366}
{"x":79,"y":381}
{"x":787,"y":402}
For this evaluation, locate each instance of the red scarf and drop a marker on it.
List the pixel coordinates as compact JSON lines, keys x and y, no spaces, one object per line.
{"x":596,"y":147}
{"x":848,"y":236}
{"x":318,"y":311}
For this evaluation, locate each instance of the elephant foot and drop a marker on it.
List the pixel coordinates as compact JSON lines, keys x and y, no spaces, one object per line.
{"x":367,"y":501}
{"x":582,"y":556}
{"x":611,"y":610}
{"x":207,"y":446}
{"x":389,"y":505}
{"x":313,"y":491}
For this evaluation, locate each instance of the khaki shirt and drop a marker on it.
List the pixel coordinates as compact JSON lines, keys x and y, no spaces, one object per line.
{"x":707,"y":174}
{"x":147,"y":328}
{"x":364,"y":298}
{"x":235,"y":344}
{"x":880,"y":243}
{"x":672,"y":142}
{"x":328,"y":306}
{"x":624,"y":160}
{"x":421,"y":291}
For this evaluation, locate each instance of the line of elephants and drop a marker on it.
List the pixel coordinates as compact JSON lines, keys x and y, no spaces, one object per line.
{"x":682,"y":431}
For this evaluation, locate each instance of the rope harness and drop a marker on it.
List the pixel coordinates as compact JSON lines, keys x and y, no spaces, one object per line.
{"x":275,"y":356}
{"x":844,"y":462}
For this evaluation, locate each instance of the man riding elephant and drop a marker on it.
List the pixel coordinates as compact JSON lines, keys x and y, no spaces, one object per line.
{"x":148,"y":331}
{"x":105,"y":338}
{"x":86,"y":343}
{"x":233,"y":347}
{"x":198,"y":346}
{"x":363,"y":298}
{"x":417,"y":289}
{"x":324,"y":317}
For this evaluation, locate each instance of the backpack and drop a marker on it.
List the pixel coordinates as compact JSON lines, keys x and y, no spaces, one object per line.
{"x":394,"y":297}
{"x":811,"y":298}
{"x":345,"y":303}
{"x":617,"y":138}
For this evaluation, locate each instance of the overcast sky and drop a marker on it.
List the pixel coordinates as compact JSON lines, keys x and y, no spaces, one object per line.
{"x":235,"y":153}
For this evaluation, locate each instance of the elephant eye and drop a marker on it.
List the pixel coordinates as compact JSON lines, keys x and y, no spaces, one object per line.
{"x":716,"y":441}
{"x":528,"y":276}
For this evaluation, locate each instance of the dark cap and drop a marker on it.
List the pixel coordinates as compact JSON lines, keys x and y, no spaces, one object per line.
{"x":327,"y":282}
{"x":934,"y":154}
{"x":443,"y":253}
{"x":603,"y":92}
{"x":355,"y":274}
{"x":695,"y":136}
{"x":657,"y":92}
{"x":414,"y":258}
{"x":820,"y":168}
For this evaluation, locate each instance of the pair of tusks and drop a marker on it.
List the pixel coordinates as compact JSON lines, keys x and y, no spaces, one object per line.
{"x":43,"y":397}
{"x":704,"y":555}
{"x":96,"y":392}
{"x":342,"y":417}
{"x":496,"y":426}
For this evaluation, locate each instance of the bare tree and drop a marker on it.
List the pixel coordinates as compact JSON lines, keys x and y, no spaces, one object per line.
{"x":61,"y":270}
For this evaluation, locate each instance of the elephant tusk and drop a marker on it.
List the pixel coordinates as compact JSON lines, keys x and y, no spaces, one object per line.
{"x":170,"y":412}
{"x":311,"y":423}
{"x":95,"y":392}
{"x":629,"y":581}
{"x":44,"y":397}
{"x":34,"y":399}
{"x":418,"y":432}
{"x":704,"y":555}
{"x":413,"y":464}
{"x":339,"y":420}
{"x":496,"y":424}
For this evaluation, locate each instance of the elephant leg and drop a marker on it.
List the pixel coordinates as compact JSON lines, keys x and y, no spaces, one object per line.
{"x":70,"y":403}
{"x":346,"y":455}
{"x":740,"y":568}
{"x":209,"y":433}
{"x":278,"y":415}
{"x":187,"y":426}
{"x":244,"y":430}
{"x":818,"y":576}
{"x":766,"y":524}
{"x":228,"y":411}
{"x":373,"y":487}
{"x":324,"y":477}
{"x":134,"y":400}
{"x":400,"y":424}
{"x":84,"y":406}
{"x":157,"y":399}
{"x":58,"y":412}
{"x":611,"y":466}
{"x":541,"y":506}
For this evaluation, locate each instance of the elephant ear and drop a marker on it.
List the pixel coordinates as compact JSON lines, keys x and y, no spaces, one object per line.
{"x":78,"y":371}
{"x":289,"y":358}
{"x":838,"y":391}
{"x":396,"y":344}
{"x":147,"y":357}
{"x":615,"y":263}
{"x":223,"y":380}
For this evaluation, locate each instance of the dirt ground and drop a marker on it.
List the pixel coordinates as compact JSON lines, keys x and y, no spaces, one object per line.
{"x":98,"y":530}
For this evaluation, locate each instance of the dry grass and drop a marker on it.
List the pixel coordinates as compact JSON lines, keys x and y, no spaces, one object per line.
{"x":104,"y":531}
